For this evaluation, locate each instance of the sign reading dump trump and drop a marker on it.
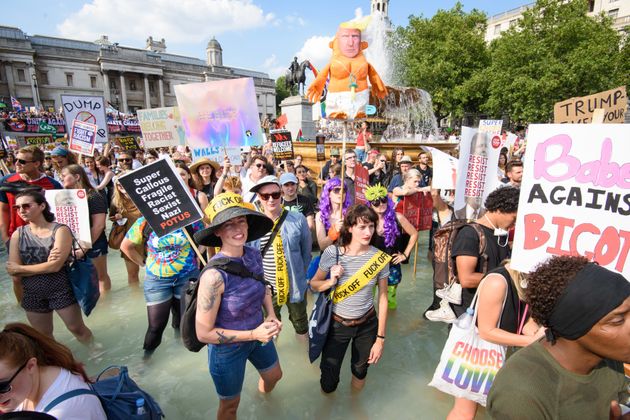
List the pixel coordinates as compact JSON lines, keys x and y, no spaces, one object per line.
{"x":575,"y":196}
{"x":89,"y":109}
{"x":161,"y":196}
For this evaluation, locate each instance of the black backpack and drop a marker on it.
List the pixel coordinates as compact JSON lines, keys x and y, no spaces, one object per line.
{"x":189,"y":299}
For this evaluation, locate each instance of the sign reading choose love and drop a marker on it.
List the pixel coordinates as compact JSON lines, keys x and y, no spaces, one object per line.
{"x":575,"y":196}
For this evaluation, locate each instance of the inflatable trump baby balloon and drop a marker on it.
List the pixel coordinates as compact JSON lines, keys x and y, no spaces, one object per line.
{"x":348,"y":92}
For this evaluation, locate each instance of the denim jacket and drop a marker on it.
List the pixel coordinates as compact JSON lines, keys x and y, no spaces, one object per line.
{"x":297,"y":243}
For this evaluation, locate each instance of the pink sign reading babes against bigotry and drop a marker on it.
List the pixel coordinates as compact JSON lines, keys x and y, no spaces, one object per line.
{"x":575,"y":196}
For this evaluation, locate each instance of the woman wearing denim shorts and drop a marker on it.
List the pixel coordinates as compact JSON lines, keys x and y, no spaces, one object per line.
{"x":170,"y":264}
{"x":229,"y":307}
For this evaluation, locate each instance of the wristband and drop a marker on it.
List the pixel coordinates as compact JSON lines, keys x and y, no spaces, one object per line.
{"x":382,"y":337}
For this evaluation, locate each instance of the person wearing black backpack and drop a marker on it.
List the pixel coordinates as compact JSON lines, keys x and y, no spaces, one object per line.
{"x":229,"y":314}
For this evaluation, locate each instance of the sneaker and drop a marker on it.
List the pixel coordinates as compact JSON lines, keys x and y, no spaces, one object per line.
{"x":443,"y":314}
{"x":452,"y":293}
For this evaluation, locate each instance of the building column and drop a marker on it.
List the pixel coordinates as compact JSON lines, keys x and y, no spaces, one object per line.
{"x":8,"y":70}
{"x":123,"y":93}
{"x":33,"y":82}
{"x":161,"y":89}
{"x":147,"y":97}
{"x":108,"y":96}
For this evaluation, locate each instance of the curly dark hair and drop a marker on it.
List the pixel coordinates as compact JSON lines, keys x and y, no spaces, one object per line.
{"x":547,"y":283}
{"x":504,"y":200}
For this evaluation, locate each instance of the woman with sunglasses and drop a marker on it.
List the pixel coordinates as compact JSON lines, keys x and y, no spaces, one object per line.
{"x":124,"y":212}
{"x":73,"y":177}
{"x":35,"y":369}
{"x":329,"y":218}
{"x":38,"y":255}
{"x":355,"y":268}
{"x":394,"y":235}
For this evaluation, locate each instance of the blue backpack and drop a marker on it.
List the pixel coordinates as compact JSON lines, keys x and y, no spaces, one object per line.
{"x":118,"y":395}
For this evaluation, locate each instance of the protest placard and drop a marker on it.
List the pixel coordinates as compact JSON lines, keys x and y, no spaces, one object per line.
{"x":320,"y":147}
{"x":444,"y":169}
{"x":127,"y":142}
{"x":477,"y":171}
{"x":219,"y":114}
{"x":575,"y":196}
{"x":36,"y":139}
{"x":418,"y":209}
{"x":90,"y":109}
{"x":361,"y":182}
{"x":281,"y":145}
{"x":162,"y":197}
{"x":70,"y":207}
{"x":161,"y":127}
{"x":82,"y":138}
{"x":580,"y":110}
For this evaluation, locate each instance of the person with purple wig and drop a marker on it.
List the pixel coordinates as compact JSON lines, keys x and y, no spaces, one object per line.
{"x":394,"y":235}
{"x":329,"y":219}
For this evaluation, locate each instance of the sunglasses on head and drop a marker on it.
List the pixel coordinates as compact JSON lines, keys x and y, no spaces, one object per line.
{"x":25,"y":206}
{"x":23,"y":162}
{"x":5,"y":386}
{"x":265,"y":197}
{"x":378,"y":201}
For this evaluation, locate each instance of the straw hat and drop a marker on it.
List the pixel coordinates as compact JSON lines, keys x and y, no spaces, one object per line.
{"x":203,"y":161}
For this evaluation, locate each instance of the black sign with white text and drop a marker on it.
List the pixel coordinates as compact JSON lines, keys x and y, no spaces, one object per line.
{"x":282,"y":145}
{"x":162,"y":197}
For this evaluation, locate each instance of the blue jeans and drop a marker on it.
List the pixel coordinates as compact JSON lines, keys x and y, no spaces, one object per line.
{"x":163,"y":289}
{"x":226,"y":363}
{"x":360,"y":155}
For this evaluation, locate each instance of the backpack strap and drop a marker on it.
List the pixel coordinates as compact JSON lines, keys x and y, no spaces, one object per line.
{"x":482,"y":245}
{"x":237,"y":269}
{"x":67,"y":396}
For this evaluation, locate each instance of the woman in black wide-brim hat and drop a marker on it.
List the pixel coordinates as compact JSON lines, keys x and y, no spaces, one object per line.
{"x":230,"y":307}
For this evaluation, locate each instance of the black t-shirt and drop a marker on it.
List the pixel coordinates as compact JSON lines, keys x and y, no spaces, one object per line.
{"x":427,"y":174}
{"x":97,"y":204}
{"x":467,"y":243}
{"x":301,"y":204}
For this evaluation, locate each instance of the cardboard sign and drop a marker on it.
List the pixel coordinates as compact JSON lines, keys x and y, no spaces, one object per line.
{"x":128,"y":143}
{"x":219,"y":114}
{"x":361,"y":182}
{"x":161,"y":127}
{"x":580,"y":110}
{"x":36,"y":140}
{"x":70,"y":207}
{"x":575,"y":196}
{"x":89,"y":109}
{"x":418,"y":209}
{"x":477,"y":172}
{"x":282,"y":145}
{"x":82,"y":138}
{"x":161,"y":196}
{"x":444,"y":169}
{"x":320,"y":147}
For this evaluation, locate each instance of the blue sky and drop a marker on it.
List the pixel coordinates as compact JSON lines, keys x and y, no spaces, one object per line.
{"x":256,"y":34}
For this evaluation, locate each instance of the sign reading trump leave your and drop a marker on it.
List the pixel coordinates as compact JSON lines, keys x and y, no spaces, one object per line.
{"x":575,"y":196}
{"x":161,"y":196}
{"x":580,"y":110}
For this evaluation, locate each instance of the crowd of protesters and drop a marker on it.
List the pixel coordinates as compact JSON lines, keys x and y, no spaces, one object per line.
{"x":278,"y":213}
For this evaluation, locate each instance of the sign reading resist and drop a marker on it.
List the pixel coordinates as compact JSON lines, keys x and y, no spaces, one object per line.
{"x":162,"y":197}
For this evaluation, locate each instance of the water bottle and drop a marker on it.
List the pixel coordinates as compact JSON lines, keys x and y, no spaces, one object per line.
{"x":140,"y":409}
{"x":465,"y":320}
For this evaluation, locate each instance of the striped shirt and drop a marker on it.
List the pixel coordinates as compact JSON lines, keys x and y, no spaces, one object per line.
{"x":269,"y":262}
{"x":361,"y":302}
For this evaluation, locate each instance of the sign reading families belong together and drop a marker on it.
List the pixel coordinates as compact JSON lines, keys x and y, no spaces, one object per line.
{"x":575,"y":196}
{"x":161,"y":196}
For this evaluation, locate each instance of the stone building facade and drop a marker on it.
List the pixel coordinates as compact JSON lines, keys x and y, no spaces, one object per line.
{"x":38,"y":69}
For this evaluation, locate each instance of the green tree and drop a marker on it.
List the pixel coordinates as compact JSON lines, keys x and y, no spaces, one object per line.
{"x":556,"y":51}
{"x":441,"y":55}
{"x":282,"y":92}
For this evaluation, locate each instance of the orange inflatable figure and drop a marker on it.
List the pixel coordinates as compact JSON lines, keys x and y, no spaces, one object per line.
{"x":348,"y":70}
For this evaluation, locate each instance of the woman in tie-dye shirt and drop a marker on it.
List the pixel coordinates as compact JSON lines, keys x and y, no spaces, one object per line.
{"x":170,"y":262}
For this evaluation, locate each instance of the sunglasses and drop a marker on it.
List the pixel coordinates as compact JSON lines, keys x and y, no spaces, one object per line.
{"x":23,"y":162}
{"x":382,"y":160}
{"x":259,"y":165}
{"x":265,"y":197}
{"x":25,"y":206}
{"x":127,"y":160}
{"x":378,"y":201}
{"x":5,"y":386}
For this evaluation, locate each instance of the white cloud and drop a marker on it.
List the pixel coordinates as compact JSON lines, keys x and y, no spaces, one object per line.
{"x":273,"y":68}
{"x":316,"y":50}
{"x":177,"y":21}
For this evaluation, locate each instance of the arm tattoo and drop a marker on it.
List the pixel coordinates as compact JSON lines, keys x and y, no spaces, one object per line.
{"x":224,"y":339}
{"x":209,"y":298}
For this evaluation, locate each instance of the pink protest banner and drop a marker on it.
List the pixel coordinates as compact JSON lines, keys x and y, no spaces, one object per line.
{"x":418,"y":209}
{"x":361,"y":182}
{"x":575,"y":196}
